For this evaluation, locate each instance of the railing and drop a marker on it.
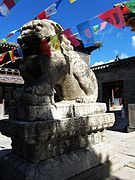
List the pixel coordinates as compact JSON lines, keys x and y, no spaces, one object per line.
{"x":8,"y":71}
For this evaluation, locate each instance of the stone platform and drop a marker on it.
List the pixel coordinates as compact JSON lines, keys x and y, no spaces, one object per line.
{"x":60,"y":110}
{"x":57,"y":168}
{"x":131,"y":112}
{"x":125,"y":146}
{"x":57,"y":149}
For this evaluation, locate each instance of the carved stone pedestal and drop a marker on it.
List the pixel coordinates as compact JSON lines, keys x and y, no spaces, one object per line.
{"x":57,"y":149}
{"x":131,"y":112}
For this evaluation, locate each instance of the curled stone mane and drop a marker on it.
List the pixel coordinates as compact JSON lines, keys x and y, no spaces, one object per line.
{"x":45,"y":67}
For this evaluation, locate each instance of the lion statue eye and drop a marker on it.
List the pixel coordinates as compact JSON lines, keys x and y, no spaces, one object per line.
{"x":23,"y":28}
{"x":38,"y":28}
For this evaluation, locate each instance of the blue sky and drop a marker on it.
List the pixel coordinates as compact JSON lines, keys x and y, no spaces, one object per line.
{"x":115,"y":41}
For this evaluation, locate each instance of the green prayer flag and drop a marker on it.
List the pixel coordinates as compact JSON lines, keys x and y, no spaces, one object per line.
{"x":130,"y":5}
{"x":95,"y":29}
{"x":55,"y":42}
{"x":16,"y":1}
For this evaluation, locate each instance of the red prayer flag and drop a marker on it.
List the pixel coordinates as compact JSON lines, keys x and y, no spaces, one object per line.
{"x":2,"y":56}
{"x":69,"y":35}
{"x":9,"y":3}
{"x":43,"y":15}
{"x":103,"y":25}
{"x":125,"y":10}
{"x":45,"y":48}
{"x":9,"y":35}
{"x":114,"y":16}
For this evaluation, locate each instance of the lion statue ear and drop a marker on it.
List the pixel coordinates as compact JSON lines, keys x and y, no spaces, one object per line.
{"x":58,"y":28}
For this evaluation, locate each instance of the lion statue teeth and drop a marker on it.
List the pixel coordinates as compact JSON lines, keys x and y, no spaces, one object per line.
{"x":46,"y":67}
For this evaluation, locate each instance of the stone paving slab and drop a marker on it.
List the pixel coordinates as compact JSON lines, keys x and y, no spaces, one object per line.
{"x":5,"y":145}
{"x":5,"y":142}
{"x":125,"y":145}
{"x":123,"y":174}
{"x":123,"y":142}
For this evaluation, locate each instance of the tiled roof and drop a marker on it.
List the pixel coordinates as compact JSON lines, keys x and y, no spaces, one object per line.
{"x":7,"y":46}
{"x":10,"y":76}
{"x":116,"y":63}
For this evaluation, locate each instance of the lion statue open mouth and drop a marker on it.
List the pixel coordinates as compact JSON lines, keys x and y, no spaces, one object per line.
{"x":46,"y":67}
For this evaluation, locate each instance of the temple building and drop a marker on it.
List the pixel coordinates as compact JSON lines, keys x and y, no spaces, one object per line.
{"x":10,"y":77}
{"x":116,"y":81}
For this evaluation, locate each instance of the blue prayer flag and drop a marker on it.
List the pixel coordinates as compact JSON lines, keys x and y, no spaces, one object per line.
{"x":19,"y":52}
{"x":58,"y":3}
{"x":86,"y":34}
{"x":4,"y":10}
{"x":51,"y":10}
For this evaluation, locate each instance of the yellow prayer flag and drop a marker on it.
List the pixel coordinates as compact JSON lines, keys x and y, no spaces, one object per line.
{"x":12,"y":57}
{"x":72,"y":1}
{"x":55,"y":42}
{"x":10,"y":54}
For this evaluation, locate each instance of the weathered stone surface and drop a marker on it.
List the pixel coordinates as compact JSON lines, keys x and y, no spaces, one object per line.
{"x":85,"y":109}
{"x":131,"y":114}
{"x":45,"y":68}
{"x":44,"y":139}
{"x":130,"y":129}
{"x":56,"y":168}
{"x":80,"y":125}
{"x":2,"y":110}
{"x":11,"y":79}
{"x":64,"y":109}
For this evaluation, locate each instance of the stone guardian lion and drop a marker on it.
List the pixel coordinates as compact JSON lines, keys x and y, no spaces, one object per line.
{"x":45,"y":67}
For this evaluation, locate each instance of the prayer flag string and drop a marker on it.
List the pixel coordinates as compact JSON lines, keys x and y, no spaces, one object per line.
{"x":14,"y":55}
{"x":114,"y":16}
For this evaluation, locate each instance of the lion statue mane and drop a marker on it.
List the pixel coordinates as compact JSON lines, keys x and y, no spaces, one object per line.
{"x":48,"y":66}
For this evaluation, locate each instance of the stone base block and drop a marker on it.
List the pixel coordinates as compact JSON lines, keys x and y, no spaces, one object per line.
{"x":131,"y":112}
{"x":63,"y":109}
{"x":65,"y":166}
{"x":130,"y":129}
{"x":56,"y":149}
{"x":45,"y":139}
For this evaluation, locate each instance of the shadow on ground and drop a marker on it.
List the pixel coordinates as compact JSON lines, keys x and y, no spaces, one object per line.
{"x":121,"y":123}
{"x":79,"y":154}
